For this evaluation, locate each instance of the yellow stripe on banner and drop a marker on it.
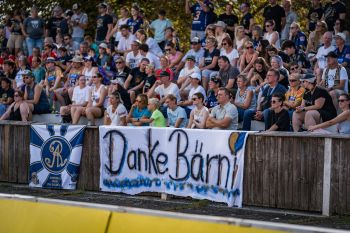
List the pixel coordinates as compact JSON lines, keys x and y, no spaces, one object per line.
{"x":30,"y":217}
{"x":135,"y":223}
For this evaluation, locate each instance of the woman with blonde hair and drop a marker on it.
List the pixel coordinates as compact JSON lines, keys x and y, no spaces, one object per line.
{"x":246,"y":61}
{"x":240,"y":38}
{"x":315,"y":37}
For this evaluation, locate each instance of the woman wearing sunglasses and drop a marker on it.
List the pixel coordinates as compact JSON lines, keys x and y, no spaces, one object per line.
{"x":199,"y":113}
{"x":271,"y":34}
{"x":18,"y":110}
{"x":279,"y":117}
{"x":343,"y":119}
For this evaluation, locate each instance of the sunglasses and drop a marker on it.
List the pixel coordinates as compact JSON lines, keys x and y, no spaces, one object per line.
{"x":292,"y":80}
{"x":16,"y":96}
{"x":224,"y":44}
{"x":274,"y":101}
{"x":194,"y":99}
{"x":167,"y":50}
{"x":342,"y":100}
{"x":249,"y":47}
{"x":292,"y":27}
{"x":194,"y":43}
{"x":119,"y":62}
{"x":66,"y":38}
{"x":268,"y":25}
{"x":294,"y":68}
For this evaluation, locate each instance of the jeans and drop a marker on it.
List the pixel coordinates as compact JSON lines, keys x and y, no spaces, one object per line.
{"x":267,"y":115}
{"x":31,"y":43}
{"x":76,"y":42}
{"x":3,"y":108}
{"x":246,"y":116}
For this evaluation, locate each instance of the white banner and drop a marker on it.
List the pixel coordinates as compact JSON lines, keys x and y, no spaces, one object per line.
{"x":55,"y":152}
{"x":202,"y":164}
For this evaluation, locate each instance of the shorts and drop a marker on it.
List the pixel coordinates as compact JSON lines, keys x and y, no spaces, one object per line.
{"x":15,"y":41}
{"x":41,"y":109}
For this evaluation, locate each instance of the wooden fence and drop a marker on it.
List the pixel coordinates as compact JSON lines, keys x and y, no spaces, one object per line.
{"x":282,"y":170}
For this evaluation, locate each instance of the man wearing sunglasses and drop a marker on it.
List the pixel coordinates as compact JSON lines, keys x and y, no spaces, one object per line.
{"x":196,"y":50}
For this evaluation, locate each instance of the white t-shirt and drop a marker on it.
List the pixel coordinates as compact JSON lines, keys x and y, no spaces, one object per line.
{"x":80,"y":95}
{"x":125,"y":43}
{"x":133,"y":60}
{"x":154,"y":60}
{"x":118,"y":34}
{"x":171,"y":89}
{"x":231,"y":56}
{"x":321,"y":56}
{"x":186,"y":71}
{"x":154,"y":47}
{"x":117,"y":114}
{"x":331,"y":76}
{"x":194,"y":91}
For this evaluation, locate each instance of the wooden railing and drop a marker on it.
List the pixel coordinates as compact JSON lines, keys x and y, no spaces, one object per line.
{"x":294,"y":171}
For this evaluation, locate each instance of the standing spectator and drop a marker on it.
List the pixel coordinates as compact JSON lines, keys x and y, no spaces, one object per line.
{"x":334,"y":78}
{"x":104,"y":24}
{"x":78,"y":22}
{"x":124,"y":12}
{"x":291,"y":17}
{"x":15,"y":26}
{"x":247,"y":20}
{"x":6,"y":95}
{"x":57,"y":23}
{"x":316,"y":106}
{"x":342,"y":51}
{"x":199,"y":113}
{"x":272,"y":34}
{"x":116,"y":112}
{"x":229,"y":19}
{"x":34,"y":29}
{"x":203,"y":15}
{"x":177,"y":117}
{"x":224,"y":115}
{"x":126,"y":40}
{"x":3,"y":39}
{"x":276,"y":13}
{"x":279,"y":118}
{"x":297,"y":36}
{"x":332,"y":11}
{"x":135,"y":22}
{"x":158,"y":26}
{"x":134,"y":57}
{"x":315,"y":14}
{"x":227,"y":73}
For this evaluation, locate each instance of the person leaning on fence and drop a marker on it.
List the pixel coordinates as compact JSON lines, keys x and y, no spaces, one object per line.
{"x":224,"y":115}
{"x":18,"y":110}
{"x":279,"y":117}
{"x":157,"y":119}
{"x":199,"y":113}
{"x":139,"y":111}
{"x":342,"y":120}
{"x":116,"y":112}
{"x":316,"y":106}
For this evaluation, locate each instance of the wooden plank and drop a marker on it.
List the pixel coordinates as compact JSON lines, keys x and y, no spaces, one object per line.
{"x":96,"y":161}
{"x":4,"y":163}
{"x":288,"y":172}
{"x":334,"y":199}
{"x":296,"y":175}
{"x":342,"y":180}
{"x":265,"y":171}
{"x":319,"y":174}
{"x":273,"y":176}
{"x":247,"y":173}
{"x":24,"y":154}
{"x":258,"y":190}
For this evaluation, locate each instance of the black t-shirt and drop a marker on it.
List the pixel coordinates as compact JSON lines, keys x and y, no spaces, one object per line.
{"x":245,"y":21}
{"x":16,"y":26}
{"x":149,"y":81}
{"x":276,"y":13}
{"x":313,"y":16}
{"x":284,"y":82}
{"x":328,"y":110}
{"x":332,"y":12}
{"x":137,"y":77}
{"x":208,"y":58}
{"x":125,"y":97}
{"x":102,"y":26}
{"x":230,"y":21}
{"x":123,"y":75}
{"x":55,"y":23}
{"x":281,"y":119}
{"x":5,"y":94}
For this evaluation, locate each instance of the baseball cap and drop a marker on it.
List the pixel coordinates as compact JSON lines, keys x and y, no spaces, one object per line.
{"x":50,"y":59}
{"x":332,"y":54}
{"x":216,"y":80}
{"x":75,"y":6}
{"x":191,"y":57}
{"x":102,"y":5}
{"x":220,"y":24}
{"x":196,"y":76}
{"x":27,"y":73}
{"x":195,"y":40}
{"x":164,"y":74}
{"x":341,"y":35}
{"x":103,"y":45}
{"x":309,"y":78}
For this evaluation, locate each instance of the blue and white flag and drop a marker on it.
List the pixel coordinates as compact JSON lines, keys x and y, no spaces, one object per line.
{"x":55,"y":153}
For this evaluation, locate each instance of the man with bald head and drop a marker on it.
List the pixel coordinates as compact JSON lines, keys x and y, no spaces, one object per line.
{"x":322,"y":53}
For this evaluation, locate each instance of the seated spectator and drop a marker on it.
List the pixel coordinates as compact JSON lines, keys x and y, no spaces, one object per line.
{"x":316,"y":106}
{"x":342,"y":120}
{"x":53,"y":79}
{"x":209,"y":62}
{"x":277,"y":63}
{"x":248,"y":58}
{"x":297,"y":36}
{"x":177,"y":117}
{"x":296,"y":55}
{"x":187,"y":103}
{"x":320,"y":57}
{"x":272,"y":51}
{"x":157,"y":119}
{"x":342,"y":51}
{"x":133,"y":58}
{"x":103,"y":59}
{"x":340,"y":27}
{"x":153,"y":59}
{"x":135,"y":81}
{"x":184,"y":76}
{"x":245,"y":100}
{"x":196,"y":51}
{"x":334,"y":78}
{"x":295,"y":68}
{"x":263,"y":110}
{"x":121,"y":70}
{"x":9,"y":69}
{"x":153,"y":46}
{"x":227,"y":73}
{"x":316,"y":37}
{"x":257,"y":35}
{"x":149,"y":80}
{"x":279,"y":117}
{"x":240,"y":39}
{"x":224,"y":115}
{"x":6,"y":95}
{"x":80,"y":98}
{"x":38,"y":70}
{"x":116,"y":113}
{"x":164,"y":87}
{"x":271,"y":34}
{"x":164,"y":66}
{"x":214,"y":87}
{"x":262,"y":49}
{"x":294,"y":95}
{"x":220,"y":32}
{"x":228,"y":51}
{"x":97,"y":102}
{"x":139,"y":111}
{"x":126,"y":40}
{"x":173,"y":55}
{"x":35,"y":95}
{"x":257,"y":74}
{"x":18,"y":110}
{"x":22,"y":68}
{"x":171,"y":36}
{"x":125,"y":97}
{"x":90,"y":69}
{"x":199,"y":113}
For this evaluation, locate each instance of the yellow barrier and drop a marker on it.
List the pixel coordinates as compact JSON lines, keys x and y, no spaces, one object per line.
{"x":34,"y":217}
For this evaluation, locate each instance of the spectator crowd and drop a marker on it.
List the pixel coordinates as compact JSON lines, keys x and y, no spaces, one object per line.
{"x":135,"y":71}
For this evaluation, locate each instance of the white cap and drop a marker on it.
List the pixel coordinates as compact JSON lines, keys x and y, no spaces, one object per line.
{"x":196,"y":76}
